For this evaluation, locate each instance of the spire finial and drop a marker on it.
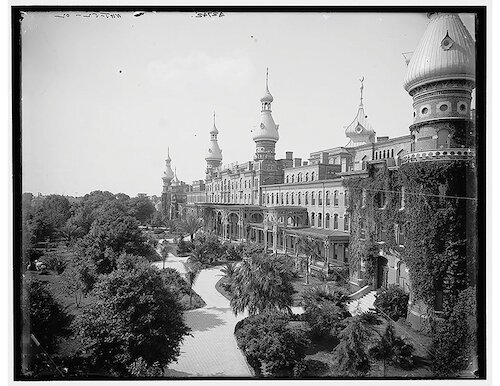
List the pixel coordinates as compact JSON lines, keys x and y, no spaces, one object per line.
{"x":361,"y":89}
{"x":267,"y":78}
{"x":214,"y":117}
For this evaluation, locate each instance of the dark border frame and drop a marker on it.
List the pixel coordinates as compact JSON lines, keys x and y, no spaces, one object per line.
{"x":481,"y":44}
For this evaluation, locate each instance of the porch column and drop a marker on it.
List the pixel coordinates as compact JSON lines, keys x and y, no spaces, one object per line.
{"x":327,"y":254}
{"x":264,"y":233}
{"x":275,"y":239}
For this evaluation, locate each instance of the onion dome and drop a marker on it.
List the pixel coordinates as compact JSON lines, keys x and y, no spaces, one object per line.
{"x":168,"y":174}
{"x":214,"y":152}
{"x":267,"y":129}
{"x":360,"y":131}
{"x":446,"y":51}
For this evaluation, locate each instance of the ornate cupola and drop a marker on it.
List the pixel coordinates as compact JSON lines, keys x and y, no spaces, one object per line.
{"x":266,"y":134}
{"x":214,"y":154}
{"x":168,"y":174}
{"x":359,"y":131}
{"x":440,"y":78}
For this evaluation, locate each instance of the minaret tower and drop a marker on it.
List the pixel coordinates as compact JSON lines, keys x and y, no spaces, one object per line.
{"x":360,"y":131}
{"x":440,"y":78}
{"x":168,"y":174}
{"x":166,"y":195}
{"x":214,"y":154}
{"x":266,"y":135}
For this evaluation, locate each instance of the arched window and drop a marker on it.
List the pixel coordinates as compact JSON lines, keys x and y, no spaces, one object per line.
{"x":298,"y":198}
{"x":327,"y":221}
{"x":267,"y":197}
{"x":281,"y":198}
{"x":293,"y":194}
{"x":313,"y":219}
{"x":307,"y":177}
{"x":361,"y":229}
{"x":287,"y":198}
{"x":346,"y":222}
{"x":346,"y":198}
{"x":313,"y":198}
{"x":336,"y":198}
{"x":320,"y":220}
{"x":306,"y":198}
{"x":327,"y":198}
{"x":392,"y":153}
{"x":287,"y":179}
{"x":299,"y":177}
{"x":312,"y":176}
{"x":376,"y":155}
{"x":320,"y":199}
{"x":293,"y":178}
{"x":335,"y":221}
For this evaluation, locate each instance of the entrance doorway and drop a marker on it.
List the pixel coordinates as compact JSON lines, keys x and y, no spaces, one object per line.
{"x":382,"y":272}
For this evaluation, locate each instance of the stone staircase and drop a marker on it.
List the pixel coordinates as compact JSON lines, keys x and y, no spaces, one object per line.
{"x":362,"y":304}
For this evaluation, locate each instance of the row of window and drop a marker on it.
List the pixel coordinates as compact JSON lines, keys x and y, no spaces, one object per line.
{"x":226,"y":198}
{"x":381,"y":232}
{"x":381,"y":154}
{"x":292,"y":198}
{"x":301,"y":177}
{"x":227,"y":184}
{"x":381,"y":198}
{"x":317,"y":220}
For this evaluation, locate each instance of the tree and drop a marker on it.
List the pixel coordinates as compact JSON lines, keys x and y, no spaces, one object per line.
{"x":141,"y":208}
{"x":135,"y":316}
{"x":393,"y":350}
{"x":351,"y":357}
{"x":310,"y":249}
{"x":112,"y":233}
{"x":165,"y":250}
{"x":191,"y":225}
{"x":262,"y":283}
{"x":73,"y":284}
{"x":192,"y":273}
{"x":43,"y":316}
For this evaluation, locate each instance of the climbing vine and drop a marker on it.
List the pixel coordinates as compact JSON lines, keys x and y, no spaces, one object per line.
{"x":436,"y":251}
{"x":378,"y":213}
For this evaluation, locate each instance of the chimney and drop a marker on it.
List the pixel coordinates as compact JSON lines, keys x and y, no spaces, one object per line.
{"x":305,"y":163}
{"x":297,"y":162}
{"x":289,"y":155}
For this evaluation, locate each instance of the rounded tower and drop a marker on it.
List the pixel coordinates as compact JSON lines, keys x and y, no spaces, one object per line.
{"x":440,"y":78}
{"x":168,"y":174}
{"x":214,"y":153}
{"x":266,"y":134}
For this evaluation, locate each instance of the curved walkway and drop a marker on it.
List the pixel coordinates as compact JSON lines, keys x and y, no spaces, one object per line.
{"x":212,"y":348}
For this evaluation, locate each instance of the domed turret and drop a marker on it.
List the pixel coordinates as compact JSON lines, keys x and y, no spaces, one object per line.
{"x":359,"y":130}
{"x":440,"y":77}
{"x":265,"y":135}
{"x":446,"y":51}
{"x":214,"y":153}
{"x":168,"y":174}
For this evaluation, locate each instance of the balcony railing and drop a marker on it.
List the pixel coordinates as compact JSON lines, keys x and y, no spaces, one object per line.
{"x":439,"y":154}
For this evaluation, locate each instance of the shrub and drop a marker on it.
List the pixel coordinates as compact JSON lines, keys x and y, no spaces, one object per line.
{"x":309,"y":368}
{"x":393,"y":350}
{"x":393,"y":301}
{"x":184,"y":247}
{"x":270,"y":342}
{"x":326,"y":318}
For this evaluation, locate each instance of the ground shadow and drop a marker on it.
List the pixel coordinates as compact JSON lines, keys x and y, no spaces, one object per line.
{"x":200,"y":320}
{"x":171,"y":373}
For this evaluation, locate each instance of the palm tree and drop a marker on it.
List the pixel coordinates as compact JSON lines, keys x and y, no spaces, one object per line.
{"x":192,"y":273}
{"x":165,"y":249}
{"x":309,"y":248}
{"x":229,"y":270}
{"x":262,"y":283}
{"x":191,"y":225}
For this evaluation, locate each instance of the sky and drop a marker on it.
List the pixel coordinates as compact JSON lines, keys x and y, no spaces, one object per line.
{"x":103,"y":98}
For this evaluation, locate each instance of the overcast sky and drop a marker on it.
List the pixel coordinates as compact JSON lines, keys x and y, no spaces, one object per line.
{"x":103,"y":98}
